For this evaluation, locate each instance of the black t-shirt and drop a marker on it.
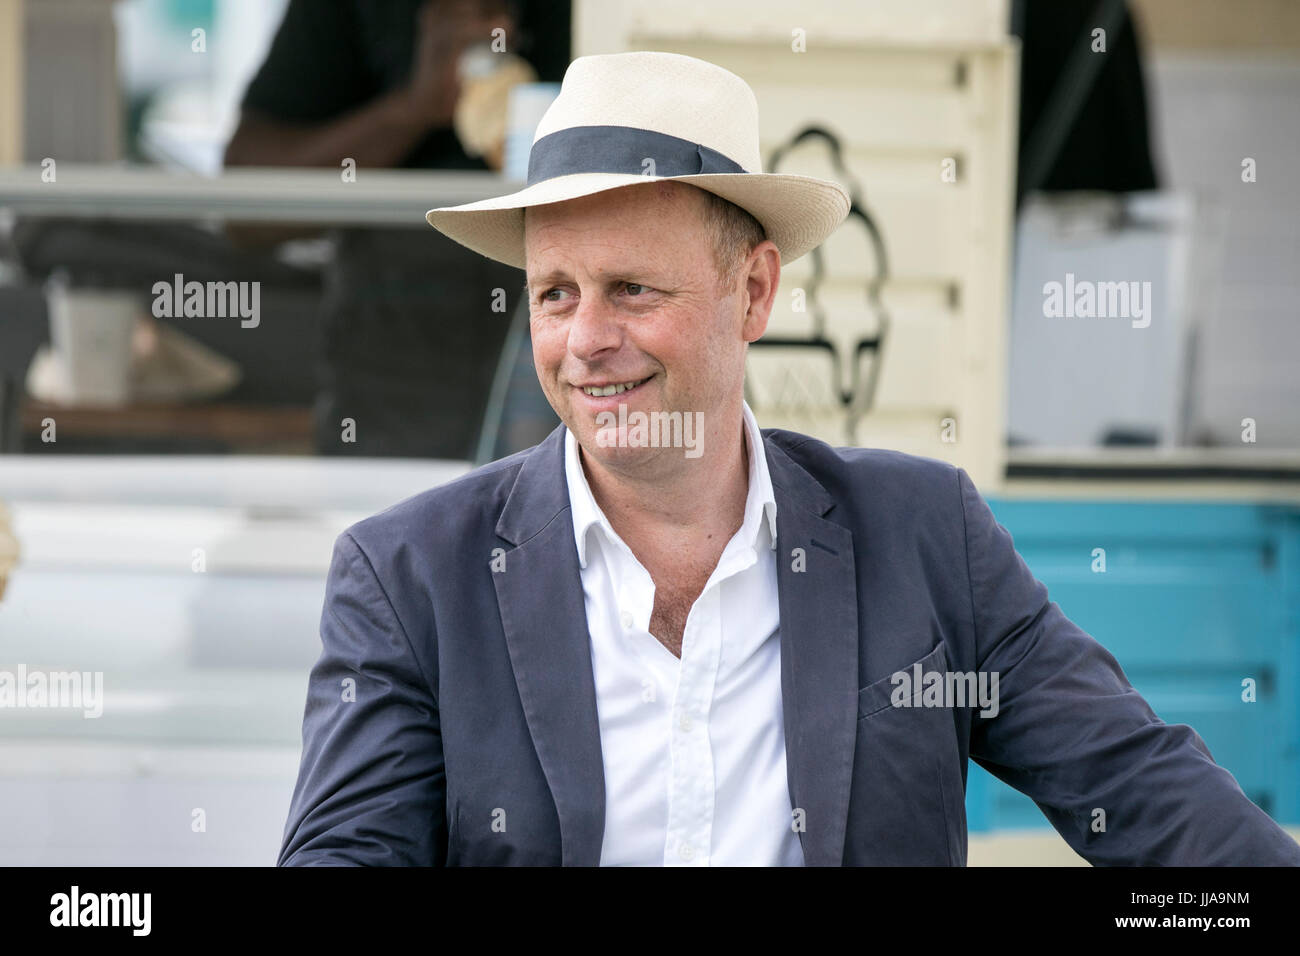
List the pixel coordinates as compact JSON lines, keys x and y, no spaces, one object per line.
{"x":332,"y":56}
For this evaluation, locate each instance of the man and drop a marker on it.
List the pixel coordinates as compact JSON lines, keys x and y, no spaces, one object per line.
{"x":613,"y":650}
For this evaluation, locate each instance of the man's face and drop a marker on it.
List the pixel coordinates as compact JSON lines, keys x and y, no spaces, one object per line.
{"x":623,"y":290}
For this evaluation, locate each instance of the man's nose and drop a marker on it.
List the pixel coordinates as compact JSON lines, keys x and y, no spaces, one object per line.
{"x":594,"y":330}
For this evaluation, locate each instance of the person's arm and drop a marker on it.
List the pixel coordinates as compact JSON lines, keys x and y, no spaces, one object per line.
{"x":378,"y":133}
{"x":371,"y":785}
{"x":1072,"y":733}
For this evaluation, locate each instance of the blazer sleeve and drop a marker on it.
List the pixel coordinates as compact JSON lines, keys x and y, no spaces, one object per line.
{"x":371,"y":785}
{"x":1074,"y":735}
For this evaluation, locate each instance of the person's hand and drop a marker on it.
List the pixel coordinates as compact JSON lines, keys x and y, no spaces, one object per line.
{"x":445,"y":28}
{"x":8,"y":549}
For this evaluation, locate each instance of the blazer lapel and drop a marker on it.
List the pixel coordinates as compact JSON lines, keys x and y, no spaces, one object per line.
{"x":817,"y":593}
{"x":540,"y":598}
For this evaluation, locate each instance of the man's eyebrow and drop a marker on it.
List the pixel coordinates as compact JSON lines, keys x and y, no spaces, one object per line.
{"x":555,"y":275}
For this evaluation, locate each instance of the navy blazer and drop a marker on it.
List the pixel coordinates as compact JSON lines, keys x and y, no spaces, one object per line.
{"x":451,"y":718}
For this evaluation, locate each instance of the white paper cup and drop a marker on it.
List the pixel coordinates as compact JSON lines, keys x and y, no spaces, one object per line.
{"x":90,"y":330}
{"x":528,"y":103}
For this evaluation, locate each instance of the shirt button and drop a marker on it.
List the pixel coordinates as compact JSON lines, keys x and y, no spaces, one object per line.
{"x":685,"y":723}
{"x":626,"y":618}
{"x":686,"y":852}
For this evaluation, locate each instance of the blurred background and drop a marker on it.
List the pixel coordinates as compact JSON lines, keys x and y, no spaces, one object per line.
{"x":226,"y":333}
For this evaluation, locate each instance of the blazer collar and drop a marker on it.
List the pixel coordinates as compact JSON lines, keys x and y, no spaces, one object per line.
{"x":543,"y":614}
{"x":817,"y":591}
{"x":539,"y":492}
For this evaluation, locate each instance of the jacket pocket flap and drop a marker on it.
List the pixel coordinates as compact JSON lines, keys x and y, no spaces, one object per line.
{"x":876,"y":695}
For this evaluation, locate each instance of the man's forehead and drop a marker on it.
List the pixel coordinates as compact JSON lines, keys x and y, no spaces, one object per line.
{"x":546,"y":270}
{"x":608,"y":243}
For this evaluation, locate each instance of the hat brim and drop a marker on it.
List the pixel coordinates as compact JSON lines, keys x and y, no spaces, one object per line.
{"x":797,"y":212}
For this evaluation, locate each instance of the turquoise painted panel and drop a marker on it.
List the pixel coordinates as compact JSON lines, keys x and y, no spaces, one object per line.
{"x":1194,"y":599}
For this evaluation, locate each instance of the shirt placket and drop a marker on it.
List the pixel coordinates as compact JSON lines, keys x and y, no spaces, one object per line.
{"x":691,"y":781}
{"x":633,"y":591}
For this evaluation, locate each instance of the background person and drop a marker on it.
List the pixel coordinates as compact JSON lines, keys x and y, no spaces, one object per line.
{"x":377,"y":82}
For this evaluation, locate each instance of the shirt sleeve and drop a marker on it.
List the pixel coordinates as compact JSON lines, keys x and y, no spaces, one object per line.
{"x":314,"y":70}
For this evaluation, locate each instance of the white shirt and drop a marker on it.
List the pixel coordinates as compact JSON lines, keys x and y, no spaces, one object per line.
{"x":694,"y":749}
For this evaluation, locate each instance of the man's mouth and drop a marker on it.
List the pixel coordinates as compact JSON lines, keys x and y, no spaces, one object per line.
{"x":605,"y":391}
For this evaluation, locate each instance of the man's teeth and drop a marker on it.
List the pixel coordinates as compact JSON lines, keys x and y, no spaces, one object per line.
{"x":607,"y":390}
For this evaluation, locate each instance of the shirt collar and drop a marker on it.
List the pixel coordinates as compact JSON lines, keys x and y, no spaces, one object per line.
{"x":760,"y":501}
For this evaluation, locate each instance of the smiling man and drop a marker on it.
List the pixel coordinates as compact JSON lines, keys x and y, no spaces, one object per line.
{"x":625,"y":298}
{"x":750,"y":648}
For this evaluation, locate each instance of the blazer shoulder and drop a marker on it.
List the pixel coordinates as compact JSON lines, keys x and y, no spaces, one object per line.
{"x":902,"y":502}
{"x":875,"y":470}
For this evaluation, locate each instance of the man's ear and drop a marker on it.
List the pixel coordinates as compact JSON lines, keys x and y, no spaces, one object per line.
{"x":761,"y":281}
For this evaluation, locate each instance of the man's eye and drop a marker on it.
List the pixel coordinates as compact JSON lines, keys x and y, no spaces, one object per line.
{"x":635,"y":289}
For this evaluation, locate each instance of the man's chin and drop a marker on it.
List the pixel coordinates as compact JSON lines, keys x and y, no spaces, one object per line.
{"x":612,"y":448}
{"x":635,"y":440}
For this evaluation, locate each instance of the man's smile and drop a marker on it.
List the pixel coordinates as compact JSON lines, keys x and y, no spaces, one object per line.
{"x":606,"y":394}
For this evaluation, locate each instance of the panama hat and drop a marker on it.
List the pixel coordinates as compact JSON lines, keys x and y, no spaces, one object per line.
{"x":626,"y":118}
